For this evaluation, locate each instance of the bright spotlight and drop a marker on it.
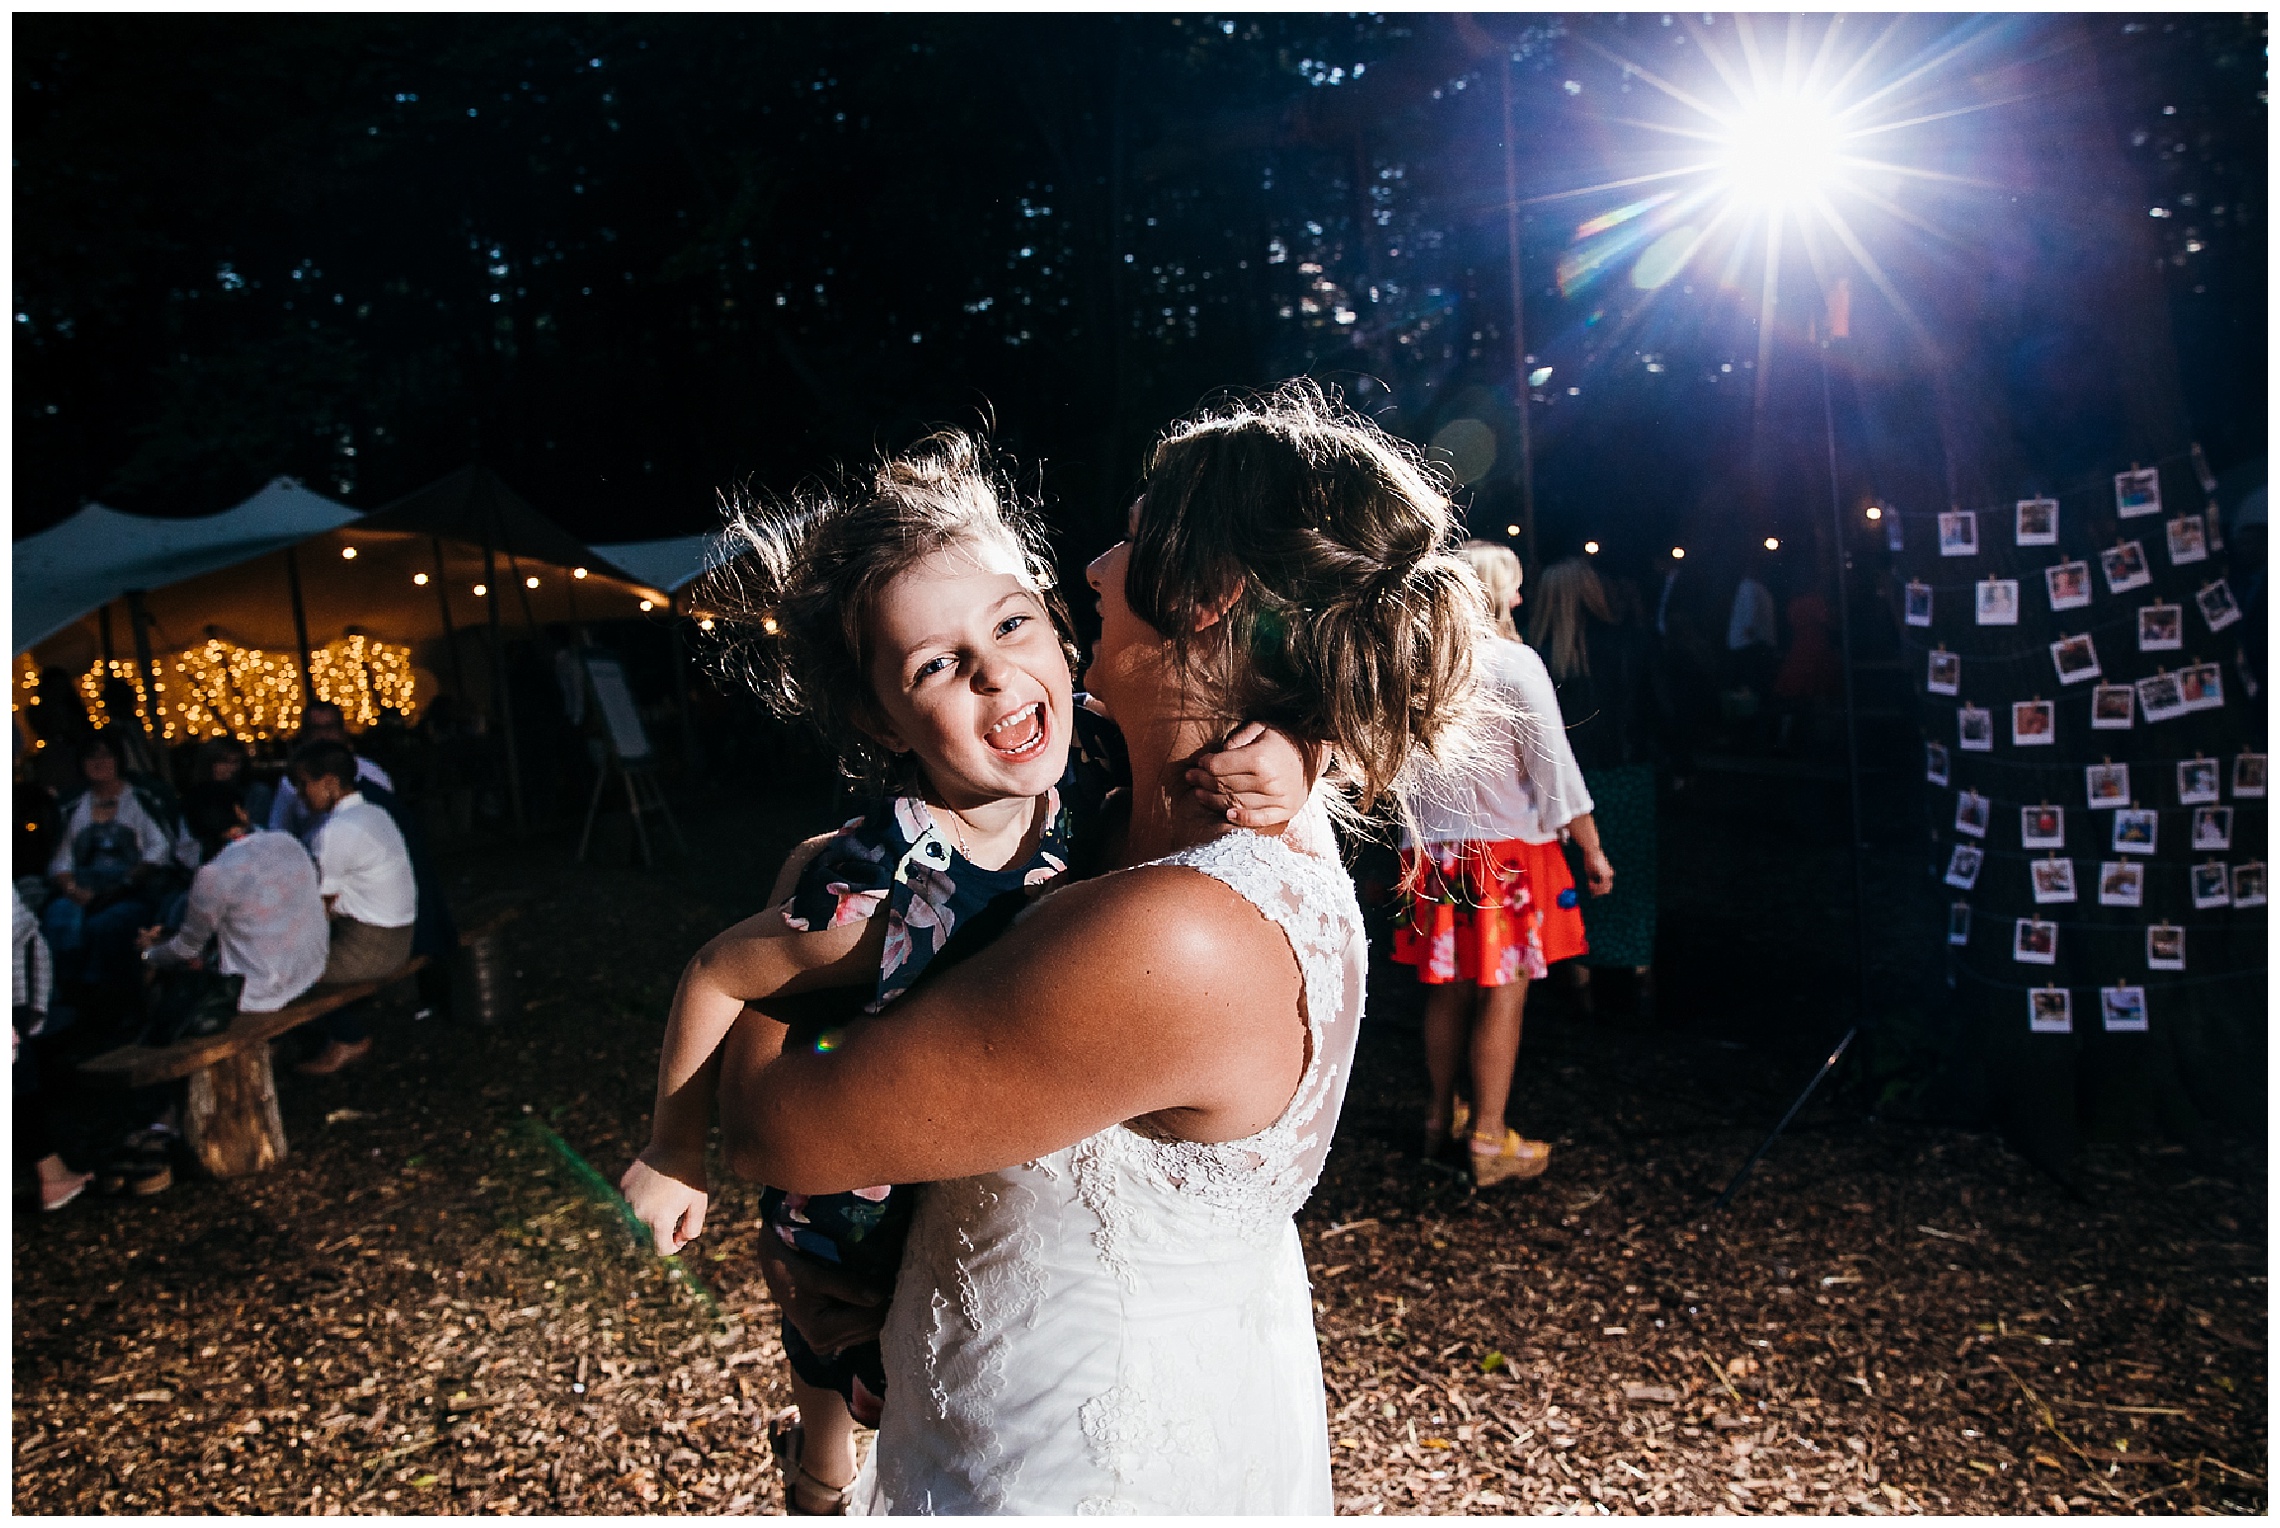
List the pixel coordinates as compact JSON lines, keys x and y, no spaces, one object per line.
{"x":1591,"y":548}
{"x":1512,"y":530}
{"x":1875,"y":513}
{"x":1780,"y":149}
{"x":1678,"y":553}
{"x":1773,"y":543}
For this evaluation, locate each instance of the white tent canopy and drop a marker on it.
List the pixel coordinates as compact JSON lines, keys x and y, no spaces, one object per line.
{"x":672,"y":563}
{"x":71,"y":570}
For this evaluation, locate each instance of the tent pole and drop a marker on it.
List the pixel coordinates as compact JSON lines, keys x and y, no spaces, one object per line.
{"x":501,"y":706}
{"x":692,"y":755}
{"x":450,"y":633}
{"x":300,"y":624}
{"x":522,"y":592}
{"x":146,"y":670}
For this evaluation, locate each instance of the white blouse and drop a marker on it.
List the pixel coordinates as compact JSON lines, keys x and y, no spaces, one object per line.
{"x":258,"y":900}
{"x":1540,"y":794}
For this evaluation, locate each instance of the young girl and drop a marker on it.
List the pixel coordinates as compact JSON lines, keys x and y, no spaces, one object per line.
{"x":915,"y":623}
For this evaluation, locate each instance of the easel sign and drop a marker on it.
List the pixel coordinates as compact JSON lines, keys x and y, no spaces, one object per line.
{"x":629,"y":740}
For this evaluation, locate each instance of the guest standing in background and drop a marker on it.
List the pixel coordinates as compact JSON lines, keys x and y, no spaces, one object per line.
{"x":1811,"y":673}
{"x":321,"y":722}
{"x":1490,"y":902}
{"x":1753,"y":652}
{"x":1596,"y":653}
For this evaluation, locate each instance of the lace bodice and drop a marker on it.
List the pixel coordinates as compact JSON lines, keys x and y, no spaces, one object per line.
{"x":1125,"y":1325}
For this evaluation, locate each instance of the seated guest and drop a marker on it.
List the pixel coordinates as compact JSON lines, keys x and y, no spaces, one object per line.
{"x":321,"y":722}
{"x":35,"y":1134}
{"x":106,"y":874}
{"x":364,"y":874}
{"x":224,"y":761}
{"x":255,"y":899}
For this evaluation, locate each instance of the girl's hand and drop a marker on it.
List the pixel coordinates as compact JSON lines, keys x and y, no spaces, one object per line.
{"x":668,"y":1197}
{"x":1259,"y":778}
{"x":1598,"y":873}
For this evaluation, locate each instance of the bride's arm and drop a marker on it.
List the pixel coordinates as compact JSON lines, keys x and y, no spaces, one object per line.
{"x":1157,"y":992}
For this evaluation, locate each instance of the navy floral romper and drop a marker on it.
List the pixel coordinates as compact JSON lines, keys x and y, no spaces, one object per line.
{"x":940,"y":908}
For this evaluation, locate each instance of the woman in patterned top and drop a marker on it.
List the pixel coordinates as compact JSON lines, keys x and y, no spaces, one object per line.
{"x":914,"y":621}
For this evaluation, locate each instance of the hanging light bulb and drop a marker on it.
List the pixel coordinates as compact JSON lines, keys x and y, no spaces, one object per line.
{"x":531,"y":582}
{"x":420,"y":579}
{"x":481,"y":590}
{"x":348,"y":554}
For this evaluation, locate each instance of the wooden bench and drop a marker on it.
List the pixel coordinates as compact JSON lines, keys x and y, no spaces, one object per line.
{"x":230,"y":1116}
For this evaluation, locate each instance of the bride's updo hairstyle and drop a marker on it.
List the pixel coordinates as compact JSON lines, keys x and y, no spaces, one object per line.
{"x":1324,"y":543}
{"x":801,"y":576}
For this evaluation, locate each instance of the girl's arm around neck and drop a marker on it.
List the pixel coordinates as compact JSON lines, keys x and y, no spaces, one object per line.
{"x":1156,"y":996}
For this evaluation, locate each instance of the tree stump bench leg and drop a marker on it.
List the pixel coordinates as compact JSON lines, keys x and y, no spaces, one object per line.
{"x":230,"y":1118}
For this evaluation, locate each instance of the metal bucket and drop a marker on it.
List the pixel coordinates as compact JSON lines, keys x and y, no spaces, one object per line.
{"x":485,"y":987}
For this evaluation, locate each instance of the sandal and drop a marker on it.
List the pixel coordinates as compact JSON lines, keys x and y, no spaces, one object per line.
{"x":1439,"y":1136}
{"x":787,"y":1440}
{"x":1517,"y":1159}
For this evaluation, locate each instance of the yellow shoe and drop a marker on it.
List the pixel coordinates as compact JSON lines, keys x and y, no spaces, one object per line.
{"x":1516,"y":1159}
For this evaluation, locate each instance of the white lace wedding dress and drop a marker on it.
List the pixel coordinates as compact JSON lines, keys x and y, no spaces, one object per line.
{"x":1125,"y":1326}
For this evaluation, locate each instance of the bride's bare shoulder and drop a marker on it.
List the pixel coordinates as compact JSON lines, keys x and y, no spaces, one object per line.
{"x":1164,"y":917}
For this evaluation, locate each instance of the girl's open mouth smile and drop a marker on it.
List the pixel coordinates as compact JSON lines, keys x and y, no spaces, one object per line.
{"x":1020,"y":736}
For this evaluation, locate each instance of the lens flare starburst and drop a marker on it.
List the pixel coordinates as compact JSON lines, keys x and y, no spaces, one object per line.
{"x":1796,"y":141}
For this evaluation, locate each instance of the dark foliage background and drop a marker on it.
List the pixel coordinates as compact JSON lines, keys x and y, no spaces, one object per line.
{"x":629,"y":259}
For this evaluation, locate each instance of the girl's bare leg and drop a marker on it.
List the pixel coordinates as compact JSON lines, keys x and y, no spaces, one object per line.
{"x":828,"y":1435}
{"x":1448,"y":1025}
{"x":1495,"y":1050}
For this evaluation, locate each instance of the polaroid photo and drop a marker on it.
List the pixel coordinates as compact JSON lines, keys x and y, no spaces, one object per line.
{"x":2053,"y":880}
{"x":2042,"y":827}
{"x":1959,"y":534}
{"x":2248,"y":774}
{"x":2217,"y":605}
{"x":2038,"y":522}
{"x":2196,"y":781}
{"x":2076,"y":659}
{"x":2034,"y":942}
{"x":2188,"y":539}
{"x":2164,"y":948}
{"x":2161,"y":698}
{"x":1975,"y":729}
{"x":2050,"y":1010}
{"x":2068,"y":584}
{"x":1959,"y":923}
{"x":2123,"y":1009}
{"x":2212,"y":829}
{"x":1917,"y":610}
{"x":2121,"y":883}
{"x":2201,"y":687}
{"x":2135,"y":830}
{"x":1971,"y":813}
{"x":1936,"y":763}
{"x":2113,"y":708}
{"x":2126,"y":567}
{"x":1998,"y":602}
{"x":1895,"y":539}
{"x":2034,"y":723}
{"x":2248,"y":884}
{"x":2161,"y":628}
{"x":2215,"y":521}
{"x":2212,"y":886}
{"x":1963,"y":867}
{"x":2137,"y":493}
{"x":1943,"y":672}
{"x":2109,"y":785}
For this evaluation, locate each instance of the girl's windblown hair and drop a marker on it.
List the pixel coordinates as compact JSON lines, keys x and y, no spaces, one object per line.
{"x":801,"y":575}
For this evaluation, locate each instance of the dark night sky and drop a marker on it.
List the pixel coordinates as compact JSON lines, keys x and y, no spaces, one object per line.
{"x":627,"y":260}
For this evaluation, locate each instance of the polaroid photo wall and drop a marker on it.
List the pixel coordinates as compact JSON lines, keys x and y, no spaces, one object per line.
{"x":2122,"y":1009}
{"x":2037,"y":523}
{"x":2137,"y":493}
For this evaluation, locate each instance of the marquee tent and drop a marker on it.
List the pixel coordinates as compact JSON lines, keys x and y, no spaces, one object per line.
{"x":672,"y":564}
{"x":70,"y":571}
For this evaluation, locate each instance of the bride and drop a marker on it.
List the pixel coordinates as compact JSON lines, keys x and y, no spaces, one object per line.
{"x":1119,"y":1106}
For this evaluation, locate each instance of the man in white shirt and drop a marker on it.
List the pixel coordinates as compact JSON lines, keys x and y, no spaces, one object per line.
{"x":255,"y":900}
{"x":364,"y":874}
{"x":321,"y":722}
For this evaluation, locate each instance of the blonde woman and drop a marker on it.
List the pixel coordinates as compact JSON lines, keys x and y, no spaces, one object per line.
{"x":1491,"y":902}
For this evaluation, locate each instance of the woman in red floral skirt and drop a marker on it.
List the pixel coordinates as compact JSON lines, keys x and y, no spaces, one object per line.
{"x":1490,"y":902}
